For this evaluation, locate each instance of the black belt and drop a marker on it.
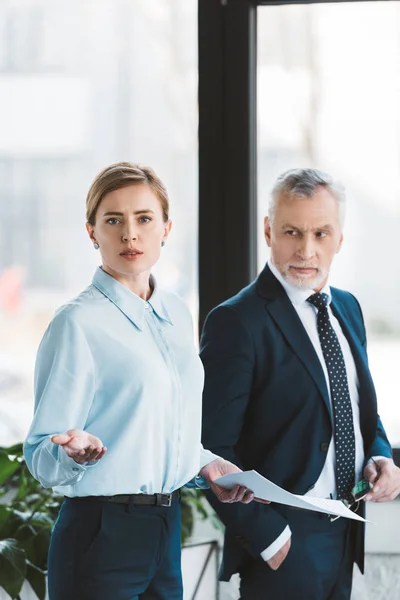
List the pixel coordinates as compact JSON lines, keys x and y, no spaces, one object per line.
{"x":141,"y":499}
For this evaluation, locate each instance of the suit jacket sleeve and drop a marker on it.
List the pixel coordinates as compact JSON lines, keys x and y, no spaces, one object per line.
{"x":228,"y":354}
{"x":381,"y":445}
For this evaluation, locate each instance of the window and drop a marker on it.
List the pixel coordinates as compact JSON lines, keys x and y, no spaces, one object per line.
{"x":82,"y":85}
{"x":328,"y":102}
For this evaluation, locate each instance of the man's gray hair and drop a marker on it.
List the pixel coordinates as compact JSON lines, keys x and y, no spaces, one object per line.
{"x":303,"y":183}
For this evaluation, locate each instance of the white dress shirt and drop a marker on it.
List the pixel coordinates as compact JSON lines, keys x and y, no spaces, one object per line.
{"x":127,"y":371}
{"x":325,"y":486}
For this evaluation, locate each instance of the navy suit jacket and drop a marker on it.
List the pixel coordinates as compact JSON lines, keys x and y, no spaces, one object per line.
{"x":266,"y":405}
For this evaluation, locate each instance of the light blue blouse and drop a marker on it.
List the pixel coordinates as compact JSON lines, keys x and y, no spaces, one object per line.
{"x":127,"y":371}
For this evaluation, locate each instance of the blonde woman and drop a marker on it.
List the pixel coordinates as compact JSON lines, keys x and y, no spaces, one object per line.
{"x":118,"y":388}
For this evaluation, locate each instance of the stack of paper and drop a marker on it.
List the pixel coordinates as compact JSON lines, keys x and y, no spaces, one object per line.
{"x":266,"y":490}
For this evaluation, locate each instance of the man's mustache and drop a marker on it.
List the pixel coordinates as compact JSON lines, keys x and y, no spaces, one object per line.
{"x":304,"y":265}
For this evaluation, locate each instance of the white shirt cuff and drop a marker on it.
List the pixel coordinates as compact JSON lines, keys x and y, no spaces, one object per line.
{"x":277,"y":544}
{"x":68,"y":463}
{"x":206,"y":456}
{"x":375,"y":458}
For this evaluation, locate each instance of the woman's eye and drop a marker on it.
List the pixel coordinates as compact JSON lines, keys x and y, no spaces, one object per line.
{"x":144,"y":219}
{"x":113,"y":221}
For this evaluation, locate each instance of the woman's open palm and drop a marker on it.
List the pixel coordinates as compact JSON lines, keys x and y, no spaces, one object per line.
{"x":80,"y":445}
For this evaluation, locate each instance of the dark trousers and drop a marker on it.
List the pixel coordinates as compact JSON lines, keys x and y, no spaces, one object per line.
{"x":319,"y":565}
{"x":109,"y":551}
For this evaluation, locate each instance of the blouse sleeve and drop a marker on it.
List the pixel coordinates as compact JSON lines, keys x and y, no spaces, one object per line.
{"x":64,"y":387}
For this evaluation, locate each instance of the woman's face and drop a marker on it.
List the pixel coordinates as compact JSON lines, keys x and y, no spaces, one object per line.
{"x":129,"y":229}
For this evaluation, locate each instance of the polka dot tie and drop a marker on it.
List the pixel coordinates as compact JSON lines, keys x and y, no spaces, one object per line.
{"x":341,"y":403}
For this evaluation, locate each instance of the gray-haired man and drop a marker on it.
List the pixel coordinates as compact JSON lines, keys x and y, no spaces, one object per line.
{"x":288,"y":392}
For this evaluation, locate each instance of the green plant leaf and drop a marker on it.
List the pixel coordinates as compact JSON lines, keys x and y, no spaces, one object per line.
{"x":33,"y":498}
{"x":23,"y":485}
{"x":216,"y":522}
{"x":37,"y":579}
{"x":10,"y":524}
{"x":36,"y":547}
{"x":16,"y":449}
{"x":24,"y":533}
{"x":7,"y":466}
{"x":187,"y":521}
{"x":12,"y":567}
{"x":36,"y":518}
{"x":4,"y":516}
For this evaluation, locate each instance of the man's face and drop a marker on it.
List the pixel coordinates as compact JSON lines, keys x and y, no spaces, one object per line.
{"x":304,"y":237}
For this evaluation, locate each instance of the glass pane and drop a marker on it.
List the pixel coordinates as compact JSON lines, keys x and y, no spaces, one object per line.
{"x":82,"y":85}
{"x":329,"y":97}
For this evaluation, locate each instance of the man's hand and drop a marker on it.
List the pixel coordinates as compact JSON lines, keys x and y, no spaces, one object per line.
{"x":220,"y":467}
{"x":278,"y":558}
{"x":79,"y":445}
{"x":385,"y":476}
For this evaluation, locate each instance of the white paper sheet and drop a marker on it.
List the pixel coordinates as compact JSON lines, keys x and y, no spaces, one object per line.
{"x":266,"y":490}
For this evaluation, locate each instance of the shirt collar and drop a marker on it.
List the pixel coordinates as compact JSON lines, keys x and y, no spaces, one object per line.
{"x":129,"y":303}
{"x":156,"y":302}
{"x":297,"y":295}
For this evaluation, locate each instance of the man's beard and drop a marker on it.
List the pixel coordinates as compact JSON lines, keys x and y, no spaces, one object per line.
{"x":300,"y":281}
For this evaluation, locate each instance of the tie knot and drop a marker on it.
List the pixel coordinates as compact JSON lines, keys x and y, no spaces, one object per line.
{"x":319,"y":300}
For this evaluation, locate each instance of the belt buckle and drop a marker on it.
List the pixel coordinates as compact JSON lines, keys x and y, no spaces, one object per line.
{"x":163,"y":499}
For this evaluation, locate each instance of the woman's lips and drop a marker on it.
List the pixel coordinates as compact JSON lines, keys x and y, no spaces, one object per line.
{"x":131,"y":255}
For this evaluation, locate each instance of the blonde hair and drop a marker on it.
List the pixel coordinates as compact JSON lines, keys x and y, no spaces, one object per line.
{"x":120,"y":175}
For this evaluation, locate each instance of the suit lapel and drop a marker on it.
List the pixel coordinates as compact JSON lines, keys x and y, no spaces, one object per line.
{"x":285,"y":316}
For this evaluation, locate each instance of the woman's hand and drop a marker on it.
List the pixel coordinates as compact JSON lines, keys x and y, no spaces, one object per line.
{"x":220,"y":467}
{"x":80,"y":445}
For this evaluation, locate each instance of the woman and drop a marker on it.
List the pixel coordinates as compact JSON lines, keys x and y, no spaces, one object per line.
{"x":117,"y":408}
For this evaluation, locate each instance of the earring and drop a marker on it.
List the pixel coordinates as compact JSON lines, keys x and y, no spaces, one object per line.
{"x":162,"y":244}
{"x":96,"y":246}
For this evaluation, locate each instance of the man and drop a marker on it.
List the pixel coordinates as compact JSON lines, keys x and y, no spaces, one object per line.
{"x":288,"y":393}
